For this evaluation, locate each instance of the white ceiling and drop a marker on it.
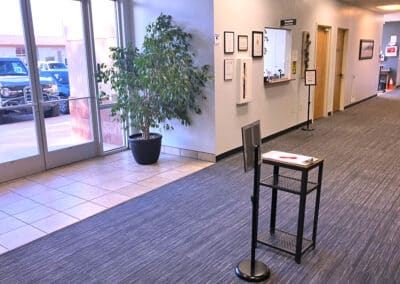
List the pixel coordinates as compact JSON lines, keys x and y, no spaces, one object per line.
{"x":371,"y":4}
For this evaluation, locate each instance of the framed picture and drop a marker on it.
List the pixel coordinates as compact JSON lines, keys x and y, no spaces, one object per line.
{"x":310,"y":77}
{"x":391,"y":50}
{"x":228,"y":69}
{"x":229,"y":46}
{"x":242,"y":43}
{"x":257,"y":44}
{"x":366,"y":49}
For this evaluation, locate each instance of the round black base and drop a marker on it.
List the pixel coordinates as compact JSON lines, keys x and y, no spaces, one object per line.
{"x":261,"y":271}
{"x":305,"y":128}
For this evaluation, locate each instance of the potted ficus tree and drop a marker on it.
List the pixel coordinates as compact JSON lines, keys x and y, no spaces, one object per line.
{"x":154,"y":85}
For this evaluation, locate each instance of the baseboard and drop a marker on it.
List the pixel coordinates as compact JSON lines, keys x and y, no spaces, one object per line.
{"x":360,"y":101}
{"x":263,"y":140}
{"x":188,"y":153}
{"x":229,"y":153}
{"x":215,"y":158}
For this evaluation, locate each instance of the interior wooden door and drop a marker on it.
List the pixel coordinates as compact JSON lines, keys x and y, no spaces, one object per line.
{"x":321,"y":66}
{"x":337,"y":95}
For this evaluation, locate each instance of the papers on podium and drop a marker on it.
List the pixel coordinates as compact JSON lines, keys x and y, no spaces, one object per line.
{"x":288,"y":158}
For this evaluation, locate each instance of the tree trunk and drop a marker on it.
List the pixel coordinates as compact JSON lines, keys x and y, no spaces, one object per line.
{"x":146,"y":133}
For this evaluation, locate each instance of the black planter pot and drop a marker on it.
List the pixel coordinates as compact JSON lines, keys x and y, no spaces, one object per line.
{"x":145,"y":152}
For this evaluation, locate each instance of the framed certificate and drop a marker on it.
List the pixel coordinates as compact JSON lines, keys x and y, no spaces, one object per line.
{"x":310,"y":77}
{"x":242,"y":43}
{"x":257,"y":44}
{"x":229,"y":42}
{"x":228,"y":69}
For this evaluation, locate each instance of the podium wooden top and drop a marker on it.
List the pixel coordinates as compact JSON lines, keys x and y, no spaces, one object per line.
{"x":290,"y":159}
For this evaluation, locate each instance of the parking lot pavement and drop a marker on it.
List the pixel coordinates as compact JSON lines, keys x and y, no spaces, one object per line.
{"x":18,"y":136}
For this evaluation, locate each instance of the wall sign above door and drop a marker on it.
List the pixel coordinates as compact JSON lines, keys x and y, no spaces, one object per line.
{"x":288,"y":22}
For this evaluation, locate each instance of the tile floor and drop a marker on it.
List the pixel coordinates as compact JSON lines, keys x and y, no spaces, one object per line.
{"x":37,"y":205}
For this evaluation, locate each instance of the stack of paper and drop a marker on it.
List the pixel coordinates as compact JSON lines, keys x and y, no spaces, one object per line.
{"x":289,"y":158}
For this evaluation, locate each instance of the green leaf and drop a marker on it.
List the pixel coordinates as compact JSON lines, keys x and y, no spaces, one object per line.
{"x":157,"y":83}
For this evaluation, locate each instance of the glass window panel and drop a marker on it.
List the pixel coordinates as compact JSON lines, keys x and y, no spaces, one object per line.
{"x":277,"y":44}
{"x":18,"y":137}
{"x":105,"y":34}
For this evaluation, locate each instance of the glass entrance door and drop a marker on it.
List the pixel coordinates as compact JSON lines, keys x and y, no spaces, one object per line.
{"x":62,"y":56}
{"x":47,"y":100}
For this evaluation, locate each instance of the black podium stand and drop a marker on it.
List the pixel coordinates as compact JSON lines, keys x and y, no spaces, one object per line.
{"x":307,"y":127}
{"x":297,"y":184}
{"x":251,"y":269}
{"x":310,"y":79}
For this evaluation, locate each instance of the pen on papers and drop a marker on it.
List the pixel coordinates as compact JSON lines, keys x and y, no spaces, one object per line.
{"x":288,"y":157}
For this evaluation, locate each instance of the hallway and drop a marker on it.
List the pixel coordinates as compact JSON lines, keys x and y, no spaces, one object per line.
{"x":201,"y":223}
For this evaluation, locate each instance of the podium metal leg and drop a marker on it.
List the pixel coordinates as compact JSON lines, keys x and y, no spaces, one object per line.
{"x":251,"y":269}
{"x":302,"y":209}
{"x":307,"y":128}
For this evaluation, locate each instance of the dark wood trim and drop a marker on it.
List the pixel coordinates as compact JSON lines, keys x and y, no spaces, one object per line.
{"x":360,"y":101}
{"x":263,"y":140}
{"x":229,"y":153}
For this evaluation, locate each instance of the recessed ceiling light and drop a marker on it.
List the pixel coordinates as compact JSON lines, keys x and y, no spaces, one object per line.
{"x":389,"y":7}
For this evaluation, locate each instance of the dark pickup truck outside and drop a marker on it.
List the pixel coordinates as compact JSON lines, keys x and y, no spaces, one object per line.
{"x":15,"y":89}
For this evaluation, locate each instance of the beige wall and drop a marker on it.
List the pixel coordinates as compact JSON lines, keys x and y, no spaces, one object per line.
{"x":196,"y":17}
{"x":281,"y":107}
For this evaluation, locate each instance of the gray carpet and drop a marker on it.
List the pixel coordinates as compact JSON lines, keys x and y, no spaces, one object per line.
{"x":197,"y":229}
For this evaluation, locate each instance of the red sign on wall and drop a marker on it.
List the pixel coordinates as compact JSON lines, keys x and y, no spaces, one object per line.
{"x":391,"y":50}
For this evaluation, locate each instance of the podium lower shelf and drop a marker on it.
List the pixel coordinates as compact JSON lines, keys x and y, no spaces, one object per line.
{"x":288,"y":184}
{"x":284,"y":241}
